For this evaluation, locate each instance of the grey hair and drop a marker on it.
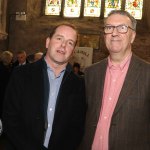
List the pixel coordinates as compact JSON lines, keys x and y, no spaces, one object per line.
{"x":6,"y":57}
{"x":123,"y":13}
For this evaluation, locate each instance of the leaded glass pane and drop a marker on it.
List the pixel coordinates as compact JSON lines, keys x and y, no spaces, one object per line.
{"x":92,"y":8}
{"x":53,"y":7}
{"x":134,"y":7}
{"x":111,"y":5}
{"x":72,"y":8}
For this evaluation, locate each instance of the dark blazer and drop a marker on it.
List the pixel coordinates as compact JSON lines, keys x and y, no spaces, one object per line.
{"x":25,"y":109}
{"x":16,"y":63}
{"x":130,"y":124}
{"x":5,"y":73}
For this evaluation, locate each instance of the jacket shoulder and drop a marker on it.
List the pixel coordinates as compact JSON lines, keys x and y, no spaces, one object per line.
{"x":97,"y":66}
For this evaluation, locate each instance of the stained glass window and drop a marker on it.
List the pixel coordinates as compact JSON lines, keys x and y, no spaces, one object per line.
{"x":72,"y":8}
{"x":134,"y":7}
{"x":92,"y":8}
{"x":111,"y":5}
{"x":53,"y":7}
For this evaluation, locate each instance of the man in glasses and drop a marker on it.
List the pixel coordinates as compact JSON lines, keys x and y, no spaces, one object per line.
{"x":118,"y":92}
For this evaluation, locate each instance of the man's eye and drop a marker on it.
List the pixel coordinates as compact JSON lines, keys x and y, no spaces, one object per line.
{"x":122,"y":27}
{"x":109,"y":27}
{"x":58,"y":38}
{"x":71,"y":43}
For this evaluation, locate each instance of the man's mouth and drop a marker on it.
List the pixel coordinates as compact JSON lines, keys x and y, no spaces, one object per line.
{"x":61,"y":51}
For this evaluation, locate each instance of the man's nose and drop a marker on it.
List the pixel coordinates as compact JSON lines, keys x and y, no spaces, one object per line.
{"x":115,"y":31}
{"x":64,"y":43}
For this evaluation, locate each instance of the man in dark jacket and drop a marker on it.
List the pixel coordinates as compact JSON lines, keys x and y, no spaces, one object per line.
{"x":45,"y":101}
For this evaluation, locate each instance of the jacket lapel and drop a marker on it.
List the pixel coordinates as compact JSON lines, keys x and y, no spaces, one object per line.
{"x":64,"y":88}
{"x":99,"y":93}
{"x":46,"y":89}
{"x":130,"y":79}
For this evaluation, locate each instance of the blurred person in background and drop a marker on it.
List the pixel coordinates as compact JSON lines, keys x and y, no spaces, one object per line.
{"x":37,"y":56}
{"x":76,"y":69}
{"x":5,"y":72}
{"x":21,"y":59}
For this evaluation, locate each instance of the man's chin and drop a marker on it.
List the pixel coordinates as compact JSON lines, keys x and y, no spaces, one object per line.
{"x":61,"y":62}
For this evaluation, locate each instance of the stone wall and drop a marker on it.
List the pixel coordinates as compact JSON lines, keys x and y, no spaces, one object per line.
{"x":30,"y":35}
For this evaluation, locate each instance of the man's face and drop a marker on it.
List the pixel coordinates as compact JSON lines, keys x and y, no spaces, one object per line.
{"x":61,"y":45}
{"x":21,"y":58}
{"x":119,"y":42}
{"x":76,"y":70}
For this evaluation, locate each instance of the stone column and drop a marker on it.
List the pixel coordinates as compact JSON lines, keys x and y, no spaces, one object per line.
{"x":3,"y":7}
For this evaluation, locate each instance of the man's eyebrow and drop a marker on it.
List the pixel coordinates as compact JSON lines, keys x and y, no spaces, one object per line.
{"x":59,"y":35}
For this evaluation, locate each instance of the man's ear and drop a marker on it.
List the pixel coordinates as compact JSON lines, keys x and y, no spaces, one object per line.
{"x":133,"y":37}
{"x":47,"y":42}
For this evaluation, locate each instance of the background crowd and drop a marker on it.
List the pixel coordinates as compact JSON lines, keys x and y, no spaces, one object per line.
{"x":7,"y":63}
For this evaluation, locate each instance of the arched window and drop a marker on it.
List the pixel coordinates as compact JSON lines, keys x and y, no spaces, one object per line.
{"x":72,"y":8}
{"x":111,"y":5}
{"x":53,"y":7}
{"x":134,"y":7}
{"x":92,"y":8}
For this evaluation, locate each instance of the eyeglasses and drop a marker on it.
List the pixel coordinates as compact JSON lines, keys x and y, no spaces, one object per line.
{"x":108,"y":29}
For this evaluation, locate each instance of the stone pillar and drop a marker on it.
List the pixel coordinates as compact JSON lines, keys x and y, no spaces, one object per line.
{"x":3,"y":7}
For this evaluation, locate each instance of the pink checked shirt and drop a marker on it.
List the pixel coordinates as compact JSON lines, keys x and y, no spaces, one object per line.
{"x":114,"y":80}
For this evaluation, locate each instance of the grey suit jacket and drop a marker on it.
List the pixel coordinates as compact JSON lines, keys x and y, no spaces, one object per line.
{"x":130,"y":124}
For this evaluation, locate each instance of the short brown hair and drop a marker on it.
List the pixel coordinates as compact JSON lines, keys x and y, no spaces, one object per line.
{"x":64,"y":24}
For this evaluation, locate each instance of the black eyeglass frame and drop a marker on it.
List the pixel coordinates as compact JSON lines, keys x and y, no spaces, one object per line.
{"x":122,"y":25}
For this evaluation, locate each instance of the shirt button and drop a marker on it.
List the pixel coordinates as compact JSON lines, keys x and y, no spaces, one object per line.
{"x":105,"y":117}
{"x":49,"y":125}
{"x":52,"y":94}
{"x":50,"y":109}
{"x":114,"y":80}
{"x":101,"y":137}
